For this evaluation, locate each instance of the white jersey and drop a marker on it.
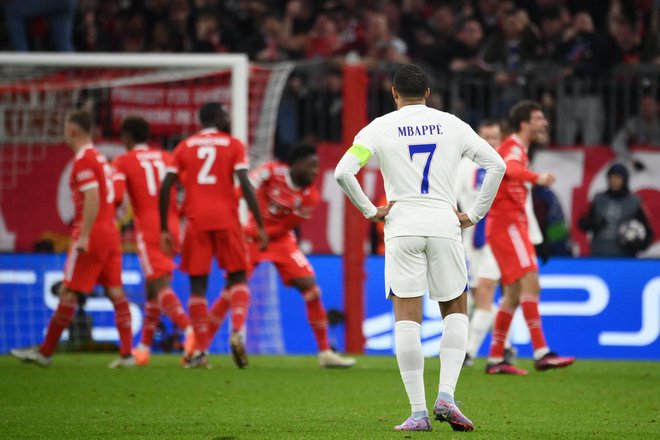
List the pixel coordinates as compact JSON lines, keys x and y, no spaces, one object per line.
{"x":419,"y":149}
{"x":467,"y":185}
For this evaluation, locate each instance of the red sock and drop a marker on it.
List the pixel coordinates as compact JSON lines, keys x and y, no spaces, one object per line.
{"x":199,"y":318}
{"x":60,"y":320}
{"x":317,"y":317}
{"x":218,"y":312}
{"x":170,"y":305}
{"x":500,"y":329}
{"x":151,"y":321}
{"x":123,"y":323}
{"x":240,"y":301}
{"x":530,"y":308}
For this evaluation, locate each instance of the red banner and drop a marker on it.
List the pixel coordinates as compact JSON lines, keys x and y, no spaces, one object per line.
{"x":35,"y":203}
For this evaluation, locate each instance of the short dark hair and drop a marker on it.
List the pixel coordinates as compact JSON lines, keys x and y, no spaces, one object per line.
{"x":522,"y":112}
{"x":411,"y":81}
{"x":301,"y":151}
{"x":137,"y":128}
{"x":210,"y":112}
{"x":489,"y":122}
{"x":82,"y":119}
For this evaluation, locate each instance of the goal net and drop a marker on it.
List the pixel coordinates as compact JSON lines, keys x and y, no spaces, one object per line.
{"x":36,"y":91}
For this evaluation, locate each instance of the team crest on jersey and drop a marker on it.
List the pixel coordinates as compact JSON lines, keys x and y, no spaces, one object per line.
{"x":84,"y":175}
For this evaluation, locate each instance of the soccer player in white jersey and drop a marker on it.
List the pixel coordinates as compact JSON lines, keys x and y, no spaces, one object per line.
{"x":418,"y":150}
{"x":483,"y":272}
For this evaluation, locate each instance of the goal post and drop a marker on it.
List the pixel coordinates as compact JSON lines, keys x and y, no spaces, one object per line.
{"x":237,"y":63}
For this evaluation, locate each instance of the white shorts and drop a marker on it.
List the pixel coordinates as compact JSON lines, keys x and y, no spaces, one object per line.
{"x":416,"y":265}
{"x":481,"y":264}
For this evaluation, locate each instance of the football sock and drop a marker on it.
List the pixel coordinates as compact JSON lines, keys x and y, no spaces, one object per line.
{"x":480,"y":324}
{"x":170,"y":305}
{"x":500,"y":329}
{"x":60,"y":320}
{"x":418,"y":415}
{"x":317,"y":317}
{"x":409,"y":356}
{"x":446,"y":397}
{"x":240,"y":301}
{"x":199,"y":319}
{"x":151,"y":321}
{"x":530,"y":308}
{"x":218,"y":312}
{"x":452,"y":351}
{"x":123,"y":323}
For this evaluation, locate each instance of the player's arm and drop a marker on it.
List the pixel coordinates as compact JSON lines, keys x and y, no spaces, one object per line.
{"x":118,"y":181}
{"x":253,"y":205}
{"x":350,"y":164}
{"x":164,"y":196}
{"x":478,"y":150}
{"x":90,"y":210}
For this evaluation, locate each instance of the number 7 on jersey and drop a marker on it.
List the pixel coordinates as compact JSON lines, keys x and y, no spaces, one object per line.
{"x":423,"y":148}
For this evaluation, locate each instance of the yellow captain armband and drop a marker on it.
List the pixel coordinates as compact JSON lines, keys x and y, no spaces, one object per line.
{"x":362,"y":153}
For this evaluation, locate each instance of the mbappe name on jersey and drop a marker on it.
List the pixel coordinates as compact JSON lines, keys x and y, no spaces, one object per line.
{"x":419,"y":130}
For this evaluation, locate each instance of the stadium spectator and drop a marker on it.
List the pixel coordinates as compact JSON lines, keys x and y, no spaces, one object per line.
{"x":642,"y":129}
{"x":95,"y":253}
{"x":140,"y":172}
{"x":507,"y":233}
{"x":59,"y":13}
{"x":464,"y":53}
{"x":617,"y":219}
{"x":423,"y":251}
{"x":206,"y":164}
{"x":585,"y":58}
{"x":286,"y":198}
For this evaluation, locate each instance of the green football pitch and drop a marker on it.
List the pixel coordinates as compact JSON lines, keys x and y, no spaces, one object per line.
{"x":289,"y":397}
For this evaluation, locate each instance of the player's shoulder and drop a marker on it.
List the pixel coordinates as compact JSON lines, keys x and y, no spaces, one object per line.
{"x":87,"y":156}
{"x":510,"y":148}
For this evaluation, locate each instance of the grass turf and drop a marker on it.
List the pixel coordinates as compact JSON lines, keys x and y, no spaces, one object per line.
{"x":291,"y":398}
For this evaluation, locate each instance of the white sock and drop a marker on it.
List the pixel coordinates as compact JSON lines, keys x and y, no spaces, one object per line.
{"x":480,"y":324}
{"x":409,"y":356}
{"x":452,"y":351}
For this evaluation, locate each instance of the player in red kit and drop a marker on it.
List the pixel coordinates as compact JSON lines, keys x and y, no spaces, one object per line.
{"x":287,"y":198}
{"x":208,"y":161}
{"x":140,"y":172}
{"x":507,"y":232}
{"x":95,"y":254}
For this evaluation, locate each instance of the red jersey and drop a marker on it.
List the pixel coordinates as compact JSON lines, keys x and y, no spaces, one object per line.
{"x":206,"y":162}
{"x":143,"y":170}
{"x":283,"y":205}
{"x":509,"y":204}
{"x":91,"y":170}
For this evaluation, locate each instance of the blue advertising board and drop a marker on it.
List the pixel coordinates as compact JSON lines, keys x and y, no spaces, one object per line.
{"x":591,"y":308}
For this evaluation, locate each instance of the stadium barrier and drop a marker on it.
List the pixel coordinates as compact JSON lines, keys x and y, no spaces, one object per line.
{"x":592,"y":308}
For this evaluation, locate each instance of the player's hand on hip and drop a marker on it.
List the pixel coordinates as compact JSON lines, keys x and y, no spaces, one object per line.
{"x":546,"y":179}
{"x":167,"y":243}
{"x":262,"y":239}
{"x":82,"y":244}
{"x":382,"y":212}
{"x":463,"y":219}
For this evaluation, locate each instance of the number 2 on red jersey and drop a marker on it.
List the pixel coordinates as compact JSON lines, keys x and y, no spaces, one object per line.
{"x":204,"y":177}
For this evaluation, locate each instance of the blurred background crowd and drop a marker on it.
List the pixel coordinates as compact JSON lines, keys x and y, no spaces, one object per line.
{"x":594,"y":64}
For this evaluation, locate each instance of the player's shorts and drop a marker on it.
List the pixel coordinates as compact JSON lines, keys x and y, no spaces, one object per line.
{"x":155,"y":264}
{"x":415,"y":265}
{"x":100,"y":265}
{"x":287,"y":257}
{"x":226,"y":245}
{"x":514,"y":252}
{"x":481,"y":264}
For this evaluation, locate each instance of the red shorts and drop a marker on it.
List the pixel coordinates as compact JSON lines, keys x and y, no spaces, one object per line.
{"x":227,"y":245}
{"x":284,"y":253}
{"x":100,"y":265}
{"x":514,"y":252}
{"x":155,"y":264}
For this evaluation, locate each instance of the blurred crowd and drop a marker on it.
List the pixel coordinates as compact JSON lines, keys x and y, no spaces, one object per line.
{"x":560,"y":52}
{"x":498,"y":35}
